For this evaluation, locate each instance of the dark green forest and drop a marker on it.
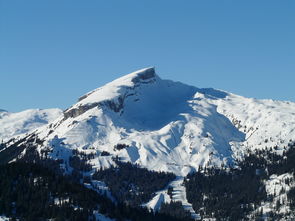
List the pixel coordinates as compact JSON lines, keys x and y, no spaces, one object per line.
{"x":35,"y":187}
{"x":33,"y":192}
{"x":131,"y":184}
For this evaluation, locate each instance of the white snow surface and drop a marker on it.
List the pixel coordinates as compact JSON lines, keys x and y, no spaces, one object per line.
{"x":3,"y":218}
{"x":274,"y":186}
{"x":178,"y":194}
{"x":14,"y":124}
{"x":168,"y":126}
{"x":159,"y":198}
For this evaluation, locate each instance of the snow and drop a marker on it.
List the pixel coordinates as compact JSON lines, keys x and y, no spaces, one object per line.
{"x":61,"y":201}
{"x":177,"y":131}
{"x":15,"y":124}
{"x":112,"y":89}
{"x":170,"y":126}
{"x":160,"y":198}
{"x":178,"y":194}
{"x":277,"y":187}
{"x":276,"y":183}
{"x":167,"y":126}
{"x":261,"y":120}
{"x":274,"y":186}
{"x":101,"y":188}
{"x":3,"y":218}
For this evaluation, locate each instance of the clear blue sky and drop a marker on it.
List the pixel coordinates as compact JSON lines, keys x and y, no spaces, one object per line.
{"x":53,"y":51}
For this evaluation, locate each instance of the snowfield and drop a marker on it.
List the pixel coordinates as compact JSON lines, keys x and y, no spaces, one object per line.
{"x":15,"y":124}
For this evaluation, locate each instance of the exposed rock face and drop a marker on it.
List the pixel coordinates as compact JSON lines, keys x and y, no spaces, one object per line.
{"x":115,"y":106}
{"x":145,"y":75}
{"x":111,"y":104}
{"x":75,"y":112}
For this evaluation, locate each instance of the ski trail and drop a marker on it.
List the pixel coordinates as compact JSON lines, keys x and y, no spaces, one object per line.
{"x":179,"y":194}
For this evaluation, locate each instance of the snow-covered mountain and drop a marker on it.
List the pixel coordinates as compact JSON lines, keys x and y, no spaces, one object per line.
{"x":166,"y":126}
{"x":160,"y":125}
{"x":15,"y":124}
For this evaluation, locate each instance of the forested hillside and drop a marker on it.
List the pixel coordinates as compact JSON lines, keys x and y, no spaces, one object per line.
{"x":32,"y":192}
{"x":239,"y":193}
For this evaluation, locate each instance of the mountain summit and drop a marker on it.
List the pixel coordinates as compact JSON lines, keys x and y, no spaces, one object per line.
{"x":112,"y":94}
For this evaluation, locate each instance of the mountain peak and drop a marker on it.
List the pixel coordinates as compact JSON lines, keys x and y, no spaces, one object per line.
{"x":138,"y":76}
{"x":113,"y":93}
{"x":143,"y":75}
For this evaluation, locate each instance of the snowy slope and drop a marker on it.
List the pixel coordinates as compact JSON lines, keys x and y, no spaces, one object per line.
{"x":13,"y":124}
{"x":166,"y":125}
{"x":3,"y":218}
{"x":265,"y":123}
{"x":178,"y":195}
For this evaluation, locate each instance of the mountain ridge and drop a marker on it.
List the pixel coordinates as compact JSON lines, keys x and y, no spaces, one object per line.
{"x":20,"y":123}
